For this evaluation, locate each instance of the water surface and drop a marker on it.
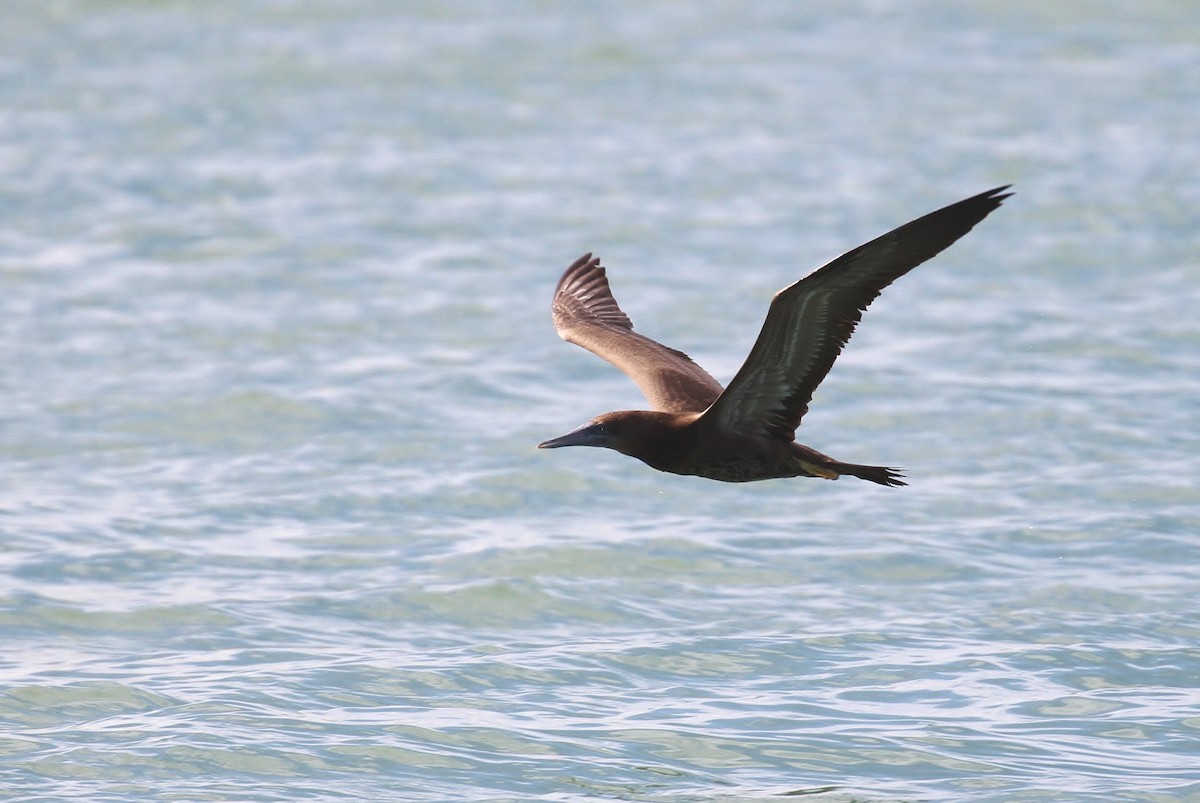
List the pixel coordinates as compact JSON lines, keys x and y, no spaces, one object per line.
{"x":274,"y":286}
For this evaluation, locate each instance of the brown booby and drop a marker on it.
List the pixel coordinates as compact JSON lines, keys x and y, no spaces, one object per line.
{"x":746,"y":431}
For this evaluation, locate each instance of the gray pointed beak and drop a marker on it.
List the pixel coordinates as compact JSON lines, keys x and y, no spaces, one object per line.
{"x":587,"y":435}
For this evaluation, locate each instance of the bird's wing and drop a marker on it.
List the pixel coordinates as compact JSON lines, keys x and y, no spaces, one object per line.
{"x":809,"y":322}
{"x":586,"y":314}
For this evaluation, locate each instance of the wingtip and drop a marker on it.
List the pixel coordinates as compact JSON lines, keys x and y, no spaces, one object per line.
{"x":584,"y":265}
{"x":586,"y":259}
{"x":975,"y":208}
{"x":587,"y":262}
{"x":998,"y":194}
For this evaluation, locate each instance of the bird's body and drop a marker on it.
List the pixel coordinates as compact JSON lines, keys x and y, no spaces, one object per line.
{"x":746,"y":432}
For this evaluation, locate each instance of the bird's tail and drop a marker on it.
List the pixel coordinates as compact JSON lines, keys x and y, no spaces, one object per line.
{"x":816,"y":464}
{"x":880,"y":474}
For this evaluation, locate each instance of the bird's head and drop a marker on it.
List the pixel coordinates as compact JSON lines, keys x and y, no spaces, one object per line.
{"x":606,"y":431}
{"x":637,"y":433}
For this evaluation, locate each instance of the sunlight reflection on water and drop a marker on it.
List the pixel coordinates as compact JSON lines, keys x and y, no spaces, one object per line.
{"x":275,"y":283}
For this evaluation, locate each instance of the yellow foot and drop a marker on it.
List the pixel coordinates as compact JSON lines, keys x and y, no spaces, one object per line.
{"x":819,"y":471}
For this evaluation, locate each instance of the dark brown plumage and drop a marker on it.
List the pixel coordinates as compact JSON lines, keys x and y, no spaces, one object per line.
{"x":747,"y":431}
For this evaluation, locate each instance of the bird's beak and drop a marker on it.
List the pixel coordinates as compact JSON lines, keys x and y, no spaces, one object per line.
{"x":587,"y":435}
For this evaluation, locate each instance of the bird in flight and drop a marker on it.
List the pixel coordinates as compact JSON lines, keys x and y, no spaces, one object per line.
{"x":747,"y":431}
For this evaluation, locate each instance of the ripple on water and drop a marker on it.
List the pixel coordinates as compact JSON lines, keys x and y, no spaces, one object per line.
{"x":274,"y":284}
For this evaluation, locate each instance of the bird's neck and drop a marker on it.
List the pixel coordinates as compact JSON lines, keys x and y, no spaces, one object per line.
{"x":656,"y":438}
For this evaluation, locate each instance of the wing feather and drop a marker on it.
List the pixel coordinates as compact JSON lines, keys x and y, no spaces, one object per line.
{"x":808,"y":323}
{"x":586,"y":314}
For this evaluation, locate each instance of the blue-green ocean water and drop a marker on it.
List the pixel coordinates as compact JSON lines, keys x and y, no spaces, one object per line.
{"x":274,"y":285}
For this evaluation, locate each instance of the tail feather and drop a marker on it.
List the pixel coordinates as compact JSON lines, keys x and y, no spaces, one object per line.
{"x":878,"y":474}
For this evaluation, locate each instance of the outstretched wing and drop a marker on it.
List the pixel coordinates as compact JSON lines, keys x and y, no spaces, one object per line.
{"x":809,"y":322}
{"x":586,"y":314}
